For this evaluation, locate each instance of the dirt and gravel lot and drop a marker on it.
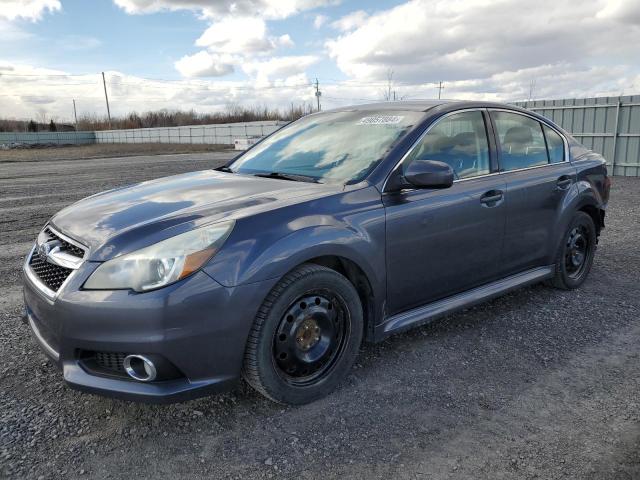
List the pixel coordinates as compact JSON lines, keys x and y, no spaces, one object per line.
{"x":38,"y":153}
{"x":538,"y":384}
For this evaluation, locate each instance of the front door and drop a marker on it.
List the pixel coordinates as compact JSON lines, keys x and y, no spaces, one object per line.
{"x":441,"y":242}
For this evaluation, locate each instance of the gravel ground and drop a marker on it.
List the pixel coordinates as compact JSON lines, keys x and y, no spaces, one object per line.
{"x":537,"y":384}
{"x":38,"y":153}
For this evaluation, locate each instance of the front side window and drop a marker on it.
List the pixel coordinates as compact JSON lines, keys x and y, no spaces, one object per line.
{"x":459,"y":140}
{"x":522,"y":143}
{"x":329,"y":147}
{"x":555,"y":145}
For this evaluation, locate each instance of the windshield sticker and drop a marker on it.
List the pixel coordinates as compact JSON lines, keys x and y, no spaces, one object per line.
{"x":381,"y":120}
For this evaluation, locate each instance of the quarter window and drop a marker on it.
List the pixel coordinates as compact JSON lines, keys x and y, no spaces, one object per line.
{"x":555,"y":145}
{"x":459,"y":140}
{"x":522,"y":143}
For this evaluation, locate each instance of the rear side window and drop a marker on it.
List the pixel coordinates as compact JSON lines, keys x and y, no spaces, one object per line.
{"x":459,"y":140}
{"x":522,"y":143}
{"x":555,"y":145}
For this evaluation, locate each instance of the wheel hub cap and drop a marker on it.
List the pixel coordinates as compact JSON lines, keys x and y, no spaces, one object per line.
{"x":308,"y":334}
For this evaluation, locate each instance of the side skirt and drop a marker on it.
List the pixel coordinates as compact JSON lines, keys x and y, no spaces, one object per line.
{"x":432,"y":311}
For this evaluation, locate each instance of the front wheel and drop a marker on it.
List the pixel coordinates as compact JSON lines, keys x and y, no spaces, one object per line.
{"x":575,"y":254}
{"x":305,"y":337}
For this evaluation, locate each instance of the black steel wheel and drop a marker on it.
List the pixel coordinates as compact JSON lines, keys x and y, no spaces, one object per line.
{"x":310,"y":336}
{"x":575,"y":253}
{"x":305,"y":337}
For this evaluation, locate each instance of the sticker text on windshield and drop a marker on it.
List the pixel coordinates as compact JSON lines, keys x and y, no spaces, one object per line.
{"x":381,"y":120}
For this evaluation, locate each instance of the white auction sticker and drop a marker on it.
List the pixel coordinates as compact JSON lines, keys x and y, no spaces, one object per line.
{"x":381,"y":120}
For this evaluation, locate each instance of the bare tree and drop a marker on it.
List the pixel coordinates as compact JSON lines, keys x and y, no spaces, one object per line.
{"x":388,"y":93}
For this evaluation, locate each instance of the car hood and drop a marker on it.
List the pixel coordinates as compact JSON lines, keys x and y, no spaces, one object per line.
{"x":122,"y":220}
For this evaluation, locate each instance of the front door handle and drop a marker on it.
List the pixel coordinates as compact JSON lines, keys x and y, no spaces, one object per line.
{"x":492,"y":198}
{"x":564,"y":182}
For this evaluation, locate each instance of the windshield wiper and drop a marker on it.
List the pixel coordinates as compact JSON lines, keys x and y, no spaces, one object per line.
{"x":224,"y":168}
{"x":287,"y":176}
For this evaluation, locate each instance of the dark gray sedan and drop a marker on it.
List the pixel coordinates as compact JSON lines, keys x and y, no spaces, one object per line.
{"x":342,"y":227}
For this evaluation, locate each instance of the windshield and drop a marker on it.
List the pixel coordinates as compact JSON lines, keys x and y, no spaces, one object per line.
{"x":329,"y":147}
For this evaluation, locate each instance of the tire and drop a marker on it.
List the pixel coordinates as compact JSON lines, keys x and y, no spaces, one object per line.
{"x":575,"y":253}
{"x":305,"y":337}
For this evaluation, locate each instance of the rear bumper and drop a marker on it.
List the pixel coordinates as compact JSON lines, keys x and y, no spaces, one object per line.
{"x":197,"y":325}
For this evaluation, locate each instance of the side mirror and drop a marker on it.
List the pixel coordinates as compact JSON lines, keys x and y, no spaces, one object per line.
{"x":429,"y":174}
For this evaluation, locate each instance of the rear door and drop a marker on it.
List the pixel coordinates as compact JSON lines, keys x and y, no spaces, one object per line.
{"x":441,"y":242}
{"x":532,"y":157}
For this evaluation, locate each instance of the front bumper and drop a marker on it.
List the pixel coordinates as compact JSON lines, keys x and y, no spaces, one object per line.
{"x":197,"y":325}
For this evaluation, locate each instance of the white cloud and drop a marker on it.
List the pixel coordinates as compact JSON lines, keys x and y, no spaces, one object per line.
{"x":245,"y":35}
{"x":278,"y":68}
{"x":431,"y":40}
{"x":205,"y":64}
{"x":237,"y":32}
{"x":27,"y":9}
{"x":627,"y":11}
{"x":319,"y":21}
{"x":350,"y":21}
{"x":285,"y":41}
{"x":270,"y":9}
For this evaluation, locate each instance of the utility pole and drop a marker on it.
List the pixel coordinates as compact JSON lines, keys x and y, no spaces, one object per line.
{"x":75,"y":114}
{"x":532,"y":87}
{"x":106,"y":97}
{"x":440,"y":87}
{"x":318,"y":93}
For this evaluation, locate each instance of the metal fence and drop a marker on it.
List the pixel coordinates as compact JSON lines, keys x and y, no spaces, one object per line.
{"x":220,"y":134}
{"x":58,"y":138}
{"x":607,"y":125}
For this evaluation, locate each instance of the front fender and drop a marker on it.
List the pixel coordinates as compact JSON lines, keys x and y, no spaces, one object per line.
{"x":307,"y":243}
{"x":351,"y":226}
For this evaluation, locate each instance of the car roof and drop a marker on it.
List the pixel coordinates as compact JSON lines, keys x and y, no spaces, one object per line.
{"x":413,"y":105}
{"x":423,"y":105}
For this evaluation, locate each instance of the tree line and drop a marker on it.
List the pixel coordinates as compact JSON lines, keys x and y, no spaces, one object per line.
{"x":159,"y":118}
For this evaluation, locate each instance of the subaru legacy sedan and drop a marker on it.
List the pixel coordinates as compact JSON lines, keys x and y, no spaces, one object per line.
{"x":342,"y":227}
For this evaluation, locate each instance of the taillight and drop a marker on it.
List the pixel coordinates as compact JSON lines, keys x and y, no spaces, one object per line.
{"x":607,"y":187}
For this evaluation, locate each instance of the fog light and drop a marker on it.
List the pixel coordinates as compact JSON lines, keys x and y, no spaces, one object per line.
{"x":140,"y":368}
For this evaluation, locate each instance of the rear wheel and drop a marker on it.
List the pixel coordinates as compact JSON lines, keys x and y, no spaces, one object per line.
{"x":575,"y":254}
{"x":305,"y":337}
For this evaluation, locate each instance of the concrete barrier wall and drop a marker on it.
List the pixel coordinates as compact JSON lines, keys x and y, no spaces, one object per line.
{"x":217,"y":134}
{"x":58,"y":138}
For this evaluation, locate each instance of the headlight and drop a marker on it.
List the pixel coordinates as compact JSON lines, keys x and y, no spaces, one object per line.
{"x":162,"y":263}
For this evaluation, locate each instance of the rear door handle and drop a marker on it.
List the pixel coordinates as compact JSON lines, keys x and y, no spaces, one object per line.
{"x":491,"y":198}
{"x":564,"y":182}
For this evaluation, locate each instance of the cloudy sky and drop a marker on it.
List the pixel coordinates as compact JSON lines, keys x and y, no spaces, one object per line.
{"x":208,"y":54}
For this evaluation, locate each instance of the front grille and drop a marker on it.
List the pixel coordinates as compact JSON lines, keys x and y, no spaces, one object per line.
{"x":65,"y":246}
{"x":46,"y":269}
{"x":53,"y":276}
